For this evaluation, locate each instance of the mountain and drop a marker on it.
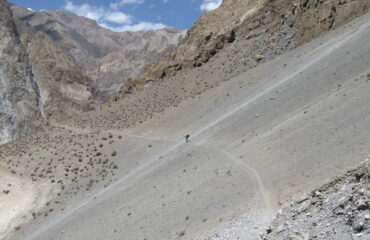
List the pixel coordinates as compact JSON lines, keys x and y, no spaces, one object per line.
{"x":276,"y":102}
{"x":65,"y":89}
{"x":106,"y":57}
{"x":73,"y":63}
{"x":20,"y":100}
{"x":242,"y":34}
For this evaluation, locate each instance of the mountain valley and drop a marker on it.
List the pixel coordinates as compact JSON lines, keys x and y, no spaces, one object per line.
{"x":274,"y":95}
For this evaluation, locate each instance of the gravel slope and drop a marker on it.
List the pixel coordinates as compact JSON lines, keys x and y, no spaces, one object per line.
{"x":268,"y":135}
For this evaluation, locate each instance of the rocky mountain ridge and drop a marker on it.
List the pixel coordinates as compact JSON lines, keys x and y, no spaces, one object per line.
{"x":224,"y":43}
{"x":246,"y":33}
{"x":106,"y":57}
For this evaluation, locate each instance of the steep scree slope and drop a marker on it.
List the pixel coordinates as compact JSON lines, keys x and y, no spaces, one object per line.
{"x":267,"y":135}
{"x":232,"y":39}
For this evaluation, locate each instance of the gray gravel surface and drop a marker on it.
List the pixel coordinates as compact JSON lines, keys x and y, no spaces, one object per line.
{"x":267,"y":135}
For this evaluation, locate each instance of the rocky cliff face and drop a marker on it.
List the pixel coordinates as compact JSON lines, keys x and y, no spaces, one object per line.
{"x":20,"y":101}
{"x":246,"y":33}
{"x":107,"y":57}
{"x":64,"y":87}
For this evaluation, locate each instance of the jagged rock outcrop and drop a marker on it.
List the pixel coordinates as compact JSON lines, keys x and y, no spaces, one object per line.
{"x":107,"y":57}
{"x":20,"y":101}
{"x":240,"y":30}
{"x":337,"y":210}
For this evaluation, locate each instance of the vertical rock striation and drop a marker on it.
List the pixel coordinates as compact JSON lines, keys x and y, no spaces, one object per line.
{"x":20,"y":108}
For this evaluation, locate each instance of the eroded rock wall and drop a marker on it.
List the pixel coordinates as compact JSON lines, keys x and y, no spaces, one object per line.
{"x":20,"y":101}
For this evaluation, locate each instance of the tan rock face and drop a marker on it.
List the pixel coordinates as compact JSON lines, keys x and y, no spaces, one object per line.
{"x":64,"y":87}
{"x":20,"y":105}
{"x":316,"y":18}
{"x":251,"y":28}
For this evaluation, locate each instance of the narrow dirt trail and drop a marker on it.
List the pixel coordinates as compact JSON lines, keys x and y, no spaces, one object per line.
{"x":247,"y":169}
{"x":267,"y":203}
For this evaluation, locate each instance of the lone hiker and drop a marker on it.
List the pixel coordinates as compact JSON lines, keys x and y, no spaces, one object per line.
{"x":187,"y":137}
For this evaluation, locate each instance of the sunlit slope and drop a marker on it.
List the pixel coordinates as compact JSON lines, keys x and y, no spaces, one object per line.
{"x":262,"y":137}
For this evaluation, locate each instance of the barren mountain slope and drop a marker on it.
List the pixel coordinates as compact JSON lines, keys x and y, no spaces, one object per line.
{"x":203,"y":61}
{"x":269,"y":134}
{"x":20,"y":103}
{"x":108,"y":57}
{"x":245,"y":33}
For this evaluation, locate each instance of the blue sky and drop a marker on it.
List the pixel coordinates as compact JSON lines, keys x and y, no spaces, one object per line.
{"x":133,"y":15}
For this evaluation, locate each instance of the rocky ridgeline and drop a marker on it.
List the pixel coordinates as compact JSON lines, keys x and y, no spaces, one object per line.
{"x":250,"y":31}
{"x":230,"y":40}
{"x":337,"y":210}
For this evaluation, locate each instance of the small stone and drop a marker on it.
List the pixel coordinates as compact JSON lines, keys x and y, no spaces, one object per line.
{"x":362,"y":191}
{"x":299,"y":236}
{"x":181,"y":234}
{"x":342,"y":202}
{"x":361,"y":205}
{"x":290,"y":36}
{"x":280,"y":228}
{"x":259,"y":57}
{"x":358,"y":226}
{"x":274,"y":39}
{"x":359,"y":176}
{"x":303,"y":198}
